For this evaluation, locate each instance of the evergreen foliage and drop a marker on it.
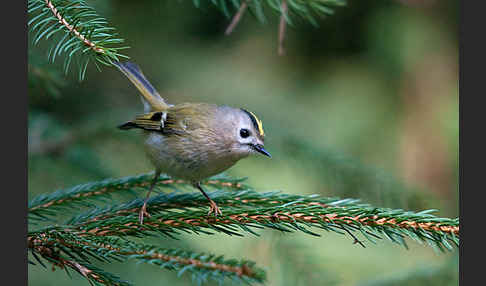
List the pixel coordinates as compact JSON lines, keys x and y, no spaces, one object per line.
{"x":89,"y":225}
{"x":307,"y":10}
{"x":102,"y":233}
{"x":78,"y":32}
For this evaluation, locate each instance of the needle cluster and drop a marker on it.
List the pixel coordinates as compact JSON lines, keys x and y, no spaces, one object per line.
{"x":104,"y":232}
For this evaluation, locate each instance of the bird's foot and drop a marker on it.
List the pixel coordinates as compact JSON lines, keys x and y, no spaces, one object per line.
{"x":143,"y":212}
{"x":214,"y":209}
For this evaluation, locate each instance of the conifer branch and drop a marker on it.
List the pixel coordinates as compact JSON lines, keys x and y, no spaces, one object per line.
{"x":72,"y":29}
{"x":55,"y":244}
{"x":44,"y":206}
{"x":77,"y":32}
{"x":96,"y":234}
{"x":236,"y":18}
{"x":65,"y":253}
{"x":339,"y":215}
{"x":305,"y":9}
{"x":281,"y":32}
{"x":243,"y":210}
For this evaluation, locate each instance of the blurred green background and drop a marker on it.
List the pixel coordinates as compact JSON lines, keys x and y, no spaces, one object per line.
{"x":365,"y":106}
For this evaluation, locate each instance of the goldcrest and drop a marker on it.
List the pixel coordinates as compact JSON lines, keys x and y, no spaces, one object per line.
{"x":192,"y":141}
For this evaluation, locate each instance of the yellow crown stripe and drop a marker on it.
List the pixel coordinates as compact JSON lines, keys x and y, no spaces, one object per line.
{"x":259,"y":123}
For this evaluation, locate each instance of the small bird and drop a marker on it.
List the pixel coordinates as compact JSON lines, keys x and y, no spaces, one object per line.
{"x":191,"y":141}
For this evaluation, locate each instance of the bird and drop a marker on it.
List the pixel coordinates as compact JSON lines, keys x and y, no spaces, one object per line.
{"x":191,"y":141}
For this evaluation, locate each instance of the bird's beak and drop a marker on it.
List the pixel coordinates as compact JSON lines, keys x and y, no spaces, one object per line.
{"x":259,"y":148}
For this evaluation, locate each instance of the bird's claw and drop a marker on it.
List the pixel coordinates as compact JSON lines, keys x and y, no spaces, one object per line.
{"x":143,"y":212}
{"x":214,"y":209}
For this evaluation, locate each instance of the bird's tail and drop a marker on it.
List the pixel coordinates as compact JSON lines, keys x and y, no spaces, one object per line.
{"x":151,"y":99}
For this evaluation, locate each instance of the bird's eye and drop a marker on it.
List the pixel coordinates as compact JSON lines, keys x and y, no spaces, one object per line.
{"x":244,"y":133}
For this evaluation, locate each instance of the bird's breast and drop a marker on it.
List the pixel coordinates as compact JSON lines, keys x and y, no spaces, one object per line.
{"x":187,"y":159}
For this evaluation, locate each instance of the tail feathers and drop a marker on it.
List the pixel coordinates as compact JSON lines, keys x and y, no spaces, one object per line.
{"x":133,"y":70}
{"x":150,"y":97}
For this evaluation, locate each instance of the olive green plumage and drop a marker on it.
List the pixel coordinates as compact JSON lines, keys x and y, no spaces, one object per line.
{"x":192,"y":141}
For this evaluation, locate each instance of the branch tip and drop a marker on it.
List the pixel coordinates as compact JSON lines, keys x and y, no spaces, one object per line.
{"x":72,"y":29}
{"x":236,"y":18}
{"x":281,"y":33}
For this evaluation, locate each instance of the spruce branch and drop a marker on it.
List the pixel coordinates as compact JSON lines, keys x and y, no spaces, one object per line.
{"x":281,"y":32}
{"x":305,"y":9}
{"x":64,"y":248}
{"x":77,"y":31}
{"x":102,"y":234}
{"x":236,"y":18}
{"x":245,"y":209}
{"x":44,"y":206}
{"x":340,"y":215}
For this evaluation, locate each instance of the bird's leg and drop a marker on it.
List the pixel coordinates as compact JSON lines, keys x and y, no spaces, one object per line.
{"x":143,"y":210}
{"x":214,"y":207}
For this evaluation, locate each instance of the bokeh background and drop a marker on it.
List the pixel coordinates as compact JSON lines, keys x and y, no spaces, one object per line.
{"x":364,"y":106}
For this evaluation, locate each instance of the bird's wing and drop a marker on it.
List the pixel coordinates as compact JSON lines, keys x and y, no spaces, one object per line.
{"x":153,"y":121}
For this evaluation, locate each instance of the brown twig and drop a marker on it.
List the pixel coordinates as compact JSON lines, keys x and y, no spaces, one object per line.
{"x":45,"y":246}
{"x":71,"y":28}
{"x":286,"y":217}
{"x":281,"y":33}
{"x":240,"y":271}
{"x":106,"y":190}
{"x":236,"y":18}
{"x":194,"y":203}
